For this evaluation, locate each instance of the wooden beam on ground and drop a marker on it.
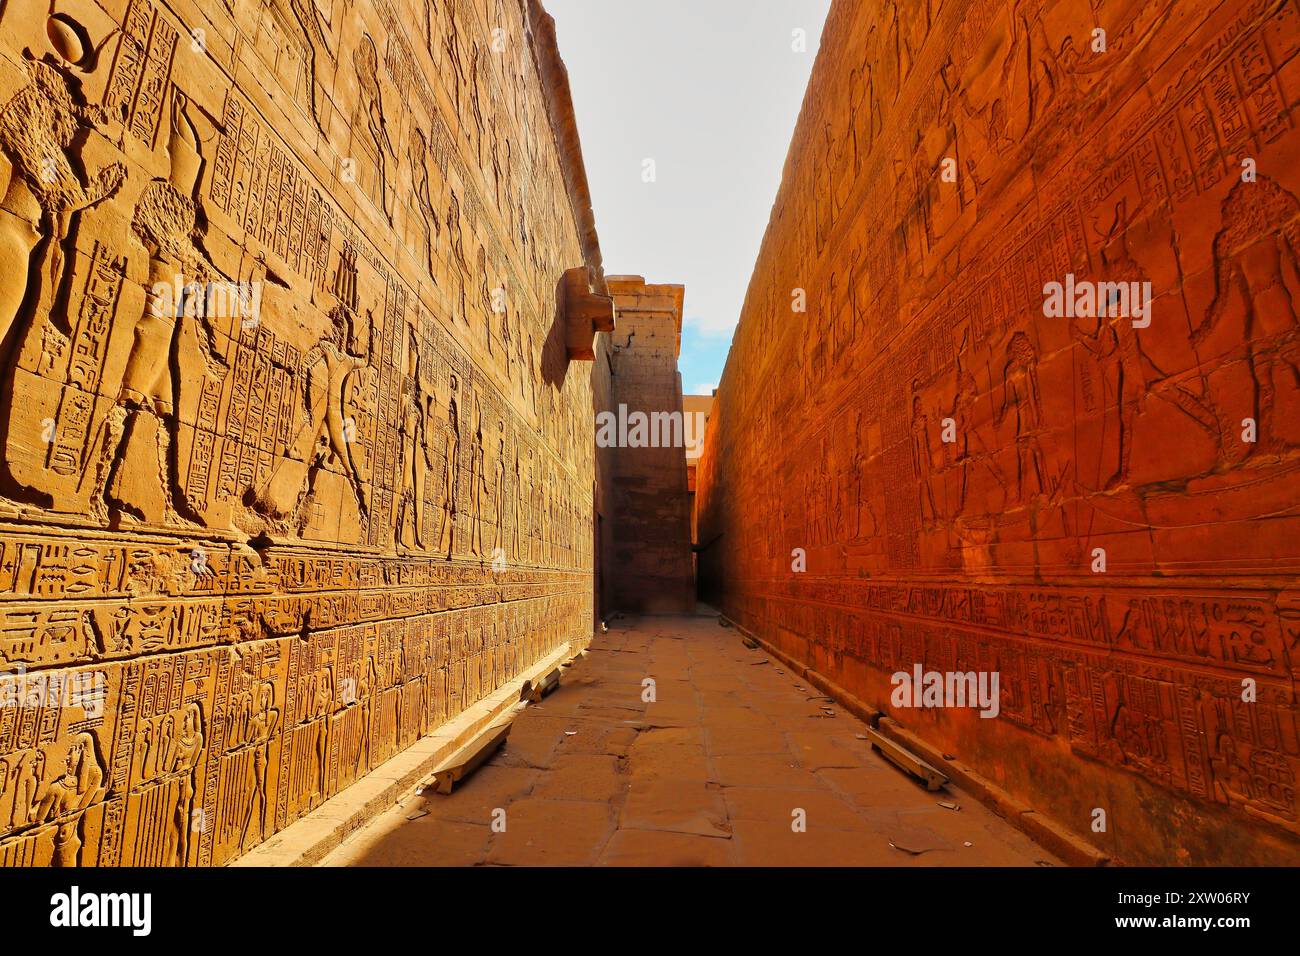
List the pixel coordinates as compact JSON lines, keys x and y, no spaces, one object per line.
{"x":533,"y":691}
{"x":905,"y":760}
{"x":468,"y":759}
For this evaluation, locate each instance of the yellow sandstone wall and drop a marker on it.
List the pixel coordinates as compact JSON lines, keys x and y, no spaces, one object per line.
{"x":953,"y":157}
{"x":651,"y":551}
{"x":260,"y":533}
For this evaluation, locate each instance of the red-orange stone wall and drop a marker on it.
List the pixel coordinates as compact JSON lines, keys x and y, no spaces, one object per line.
{"x":1125,"y":690}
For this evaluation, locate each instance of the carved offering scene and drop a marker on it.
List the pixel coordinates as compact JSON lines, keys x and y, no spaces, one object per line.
{"x":291,"y":476}
{"x":1035,"y":410}
{"x":929,"y":498}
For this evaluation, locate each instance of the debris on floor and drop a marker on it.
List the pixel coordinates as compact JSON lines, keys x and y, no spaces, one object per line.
{"x":467,"y":759}
{"x":708,"y":775}
{"x":905,"y":760}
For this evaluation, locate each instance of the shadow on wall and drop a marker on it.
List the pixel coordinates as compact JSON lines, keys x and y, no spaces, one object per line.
{"x":555,"y":355}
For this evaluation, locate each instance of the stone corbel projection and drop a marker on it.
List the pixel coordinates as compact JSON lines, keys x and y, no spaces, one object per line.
{"x":1112,"y":523}
{"x":585,"y":313}
{"x":289,"y":474}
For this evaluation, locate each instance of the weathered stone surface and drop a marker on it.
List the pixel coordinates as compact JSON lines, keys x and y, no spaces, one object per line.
{"x":951,"y":159}
{"x":652,"y":567}
{"x":790,"y":812}
{"x":278,"y":537}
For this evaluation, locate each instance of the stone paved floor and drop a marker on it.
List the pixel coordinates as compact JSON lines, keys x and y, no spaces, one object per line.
{"x":707,"y":775}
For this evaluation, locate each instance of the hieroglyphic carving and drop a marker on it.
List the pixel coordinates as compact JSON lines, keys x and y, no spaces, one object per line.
{"x":1067,"y":434}
{"x":141,"y":70}
{"x":256,"y":453}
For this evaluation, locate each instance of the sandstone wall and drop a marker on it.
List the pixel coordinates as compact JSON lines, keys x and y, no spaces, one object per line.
{"x":1120,"y":690}
{"x":651,"y":564}
{"x":262,"y":532}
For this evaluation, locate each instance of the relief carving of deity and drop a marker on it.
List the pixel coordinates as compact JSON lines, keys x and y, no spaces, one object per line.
{"x":45,"y":191}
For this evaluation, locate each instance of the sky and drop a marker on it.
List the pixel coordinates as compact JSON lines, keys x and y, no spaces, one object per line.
{"x":710,"y":91}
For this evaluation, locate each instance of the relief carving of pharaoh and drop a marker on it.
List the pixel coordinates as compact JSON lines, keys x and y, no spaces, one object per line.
{"x":211,"y":498}
{"x":173,"y":350}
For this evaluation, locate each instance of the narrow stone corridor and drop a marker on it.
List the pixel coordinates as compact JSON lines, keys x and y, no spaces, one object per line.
{"x":621,"y":436}
{"x":711,"y":773}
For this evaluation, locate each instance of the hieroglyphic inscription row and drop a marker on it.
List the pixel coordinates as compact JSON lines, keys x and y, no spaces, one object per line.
{"x":293,"y":465}
{"x":194,"y":757}
{"x":952,"y":158}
